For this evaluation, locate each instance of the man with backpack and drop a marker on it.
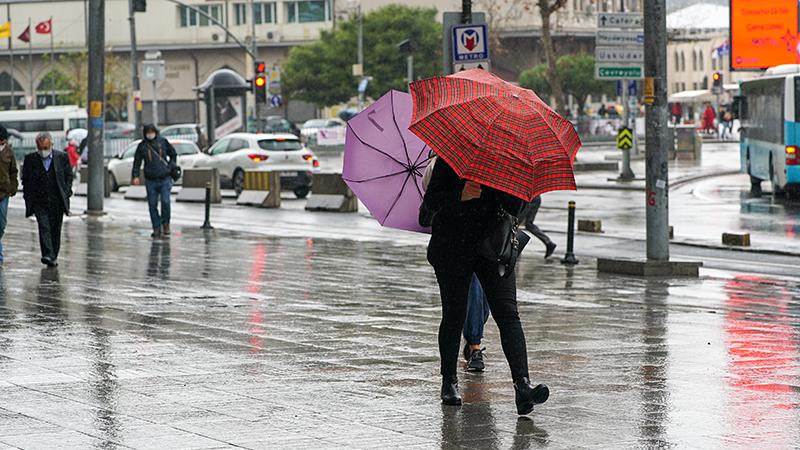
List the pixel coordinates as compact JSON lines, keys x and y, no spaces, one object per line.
{"x":160,"y":161}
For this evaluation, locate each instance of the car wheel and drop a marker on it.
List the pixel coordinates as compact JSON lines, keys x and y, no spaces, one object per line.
{"x":114,"y":184}
{"x":301,"y":191}
{"x":238,"y":181}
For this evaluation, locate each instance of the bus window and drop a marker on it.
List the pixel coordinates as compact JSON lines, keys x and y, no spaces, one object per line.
{"x":764,"y":114}
{"x":77,"y":123}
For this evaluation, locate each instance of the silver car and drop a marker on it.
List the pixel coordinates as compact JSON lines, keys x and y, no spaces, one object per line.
{"x":121,"y":166}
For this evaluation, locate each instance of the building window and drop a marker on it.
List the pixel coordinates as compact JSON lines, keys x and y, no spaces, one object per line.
{"x":677,"y":61}
{"x":308,"y":11}
{"x":240,"y":13}
{"x":264,"y":12}
{"x":683,"y":63}
{"x":191,"y":18}
{"x":694,"y":61}
{"x":700,"y":60}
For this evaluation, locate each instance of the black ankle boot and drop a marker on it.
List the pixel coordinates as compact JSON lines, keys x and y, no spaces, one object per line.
{"x":527,"y":395}
{"x":450,"y":395}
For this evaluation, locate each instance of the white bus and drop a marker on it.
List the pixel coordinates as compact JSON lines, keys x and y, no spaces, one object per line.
{"x":56,"y":120}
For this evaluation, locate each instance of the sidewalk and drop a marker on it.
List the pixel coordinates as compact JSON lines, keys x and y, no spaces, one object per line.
{"x":233,"y":339}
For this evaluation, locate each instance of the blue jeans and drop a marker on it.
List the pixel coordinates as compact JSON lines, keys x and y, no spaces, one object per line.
{"x":155,"y":189}
{"x":477,"y":312}
{"x":3,"y":222}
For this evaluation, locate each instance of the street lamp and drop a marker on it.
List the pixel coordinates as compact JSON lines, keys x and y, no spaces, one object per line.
{"x":356,"y":5}
{"x":407,"y":46}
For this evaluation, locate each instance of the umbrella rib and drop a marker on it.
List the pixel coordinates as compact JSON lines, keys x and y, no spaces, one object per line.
{"x":397,"y":199}
{"x":366,"y":180}
{"x":375,"y":148}
{"x":399,"y":131}
{"x":422,"y":152}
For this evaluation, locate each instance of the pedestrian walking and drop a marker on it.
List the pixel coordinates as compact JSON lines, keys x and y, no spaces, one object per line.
{"x":159,"y":159}
{"x":462,"y":211}
{"x":47,"y":188}
{"x":72,"y":153}
{"x":530,"y":216}
{"x":727,"y":125}
{"x":8,"y":182}
{"x":708,"y":119}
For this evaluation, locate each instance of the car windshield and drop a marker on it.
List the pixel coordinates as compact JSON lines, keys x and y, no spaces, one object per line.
{"x":281,"y":145}
{"x":316,"y":123}
{"x":185,"y":149}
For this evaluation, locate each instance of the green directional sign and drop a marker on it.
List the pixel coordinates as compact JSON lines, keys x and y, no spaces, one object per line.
{"x":625,"y":138}
{"x":618,"y":72}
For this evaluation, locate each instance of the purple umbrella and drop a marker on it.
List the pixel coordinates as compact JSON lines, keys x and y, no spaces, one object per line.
{"x":384,"y":162}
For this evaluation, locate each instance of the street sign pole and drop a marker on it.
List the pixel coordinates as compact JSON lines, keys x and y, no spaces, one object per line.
{"x":626,"y":174}
{"x":656,"y":149}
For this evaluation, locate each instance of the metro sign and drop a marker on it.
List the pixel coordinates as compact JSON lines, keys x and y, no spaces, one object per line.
{"x":469,"y":43}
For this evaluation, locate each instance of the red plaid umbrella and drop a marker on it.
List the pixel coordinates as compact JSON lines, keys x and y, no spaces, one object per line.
{"x":495,"y":133}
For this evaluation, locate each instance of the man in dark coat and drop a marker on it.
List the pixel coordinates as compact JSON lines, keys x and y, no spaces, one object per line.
{"x":47,"y":186}
{"x":159,"y":158}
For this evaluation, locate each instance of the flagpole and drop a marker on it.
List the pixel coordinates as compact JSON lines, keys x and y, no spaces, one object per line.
{"x":52,"y":64}
{"x":30,"y":63}
{"x":11,"y":53}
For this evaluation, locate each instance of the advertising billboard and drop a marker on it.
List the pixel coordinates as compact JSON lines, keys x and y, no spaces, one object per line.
{"x":764,"y":34}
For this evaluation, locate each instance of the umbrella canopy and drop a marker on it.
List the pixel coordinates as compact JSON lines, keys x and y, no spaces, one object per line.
{"x":384,"y":162}
{"x":495,"y":133}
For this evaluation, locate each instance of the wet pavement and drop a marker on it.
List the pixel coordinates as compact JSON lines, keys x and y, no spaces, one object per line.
{"x":228,"y":339}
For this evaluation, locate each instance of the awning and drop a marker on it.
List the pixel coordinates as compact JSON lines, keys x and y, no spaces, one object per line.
{"x":699,"y":96}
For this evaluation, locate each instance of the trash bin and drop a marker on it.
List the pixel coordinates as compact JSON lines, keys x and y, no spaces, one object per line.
{"x":687,"y":143}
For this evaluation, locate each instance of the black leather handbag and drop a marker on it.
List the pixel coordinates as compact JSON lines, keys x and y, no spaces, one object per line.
{"x":504,"y":243}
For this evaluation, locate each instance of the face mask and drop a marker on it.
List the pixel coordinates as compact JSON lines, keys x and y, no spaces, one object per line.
{"x":45,"y":153}
{"x":150,"y":136}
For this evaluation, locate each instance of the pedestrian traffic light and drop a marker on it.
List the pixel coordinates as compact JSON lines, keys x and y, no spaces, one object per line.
{"x":139,"y":5}
{"x":260,"y":88}
{"x":717,"y":77}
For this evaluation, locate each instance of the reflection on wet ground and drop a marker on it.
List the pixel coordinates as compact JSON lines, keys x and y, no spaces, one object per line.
{"x":220,"y":340}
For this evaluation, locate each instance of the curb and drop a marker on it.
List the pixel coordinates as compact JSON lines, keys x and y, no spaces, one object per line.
{"x":675,"y":184}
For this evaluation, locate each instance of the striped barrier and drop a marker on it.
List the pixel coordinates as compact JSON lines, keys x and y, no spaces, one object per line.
{"x":262,"y":189}
{"x":330,"y":193}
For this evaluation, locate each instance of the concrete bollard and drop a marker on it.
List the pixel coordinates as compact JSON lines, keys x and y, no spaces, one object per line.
{"x":82,"y":190}
{"x":569,"y":257}
{"x":736,"y":239}
{"x":194,"y":186}
{"x":590,"y":226}
{"x":262,"y":189}
{"x":330,"y":193}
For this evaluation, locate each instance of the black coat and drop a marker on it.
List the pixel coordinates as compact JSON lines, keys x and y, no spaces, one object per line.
{"x":458,"y":227}
{"x":157,"y":156}
{"x":63,"y":173}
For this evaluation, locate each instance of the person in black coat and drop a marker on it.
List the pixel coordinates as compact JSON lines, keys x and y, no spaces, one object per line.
{"x":463,"y":212}
{"x":47,"y":188}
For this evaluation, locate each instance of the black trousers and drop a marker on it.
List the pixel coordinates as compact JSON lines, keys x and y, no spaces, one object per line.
{"x":454,"y":279}
{"x":533,"y":208}
{"x":49,"y":220}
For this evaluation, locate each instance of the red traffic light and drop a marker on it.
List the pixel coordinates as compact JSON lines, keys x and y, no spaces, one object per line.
{"x":261,"y":81}
{"x":261,"y":67}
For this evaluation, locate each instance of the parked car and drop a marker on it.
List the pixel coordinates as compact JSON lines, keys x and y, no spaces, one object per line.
{"x":186,"y":131}
{"x":309,"y":129}
{"x":277,"y":124}
{"x":237,"y":152}
{"x":115,"y":130}
{"x":120,"y":167}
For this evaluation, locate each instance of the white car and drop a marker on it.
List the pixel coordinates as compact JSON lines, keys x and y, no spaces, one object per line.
{"x":237,"y":152}
{"x":120,"y":166}
{"x":309,"y":129}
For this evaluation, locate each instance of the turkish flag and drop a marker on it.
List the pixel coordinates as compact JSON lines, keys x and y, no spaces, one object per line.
{"x":26,"y":35}
{"x":45,"y":27}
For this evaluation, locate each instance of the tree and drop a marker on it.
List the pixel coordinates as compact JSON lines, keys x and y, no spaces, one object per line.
{"x":500,"y":14}
{"x":577,"y":76}
{"x":535,"y":79}
{"x":321,"y":74}
{"x":547,"y":8}
{"x":75,"y":67}
{"x":576,"y":73}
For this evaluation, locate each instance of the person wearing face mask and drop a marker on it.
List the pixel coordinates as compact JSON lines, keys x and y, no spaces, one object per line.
{"x":159,"y":157}
{"x":47,"y":188}
{"x":8,"y":182}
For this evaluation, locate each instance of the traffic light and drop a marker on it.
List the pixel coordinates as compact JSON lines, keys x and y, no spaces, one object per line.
{"x":139,"y":5}
{"x":260,"y":88}
{"x":717,"y":77}
{"x":260,"y":82}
